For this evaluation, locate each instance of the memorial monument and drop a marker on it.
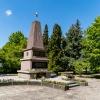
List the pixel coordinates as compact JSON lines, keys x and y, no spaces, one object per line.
{"x":34,"y":63}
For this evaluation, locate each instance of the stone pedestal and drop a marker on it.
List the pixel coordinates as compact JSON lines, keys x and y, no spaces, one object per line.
{"x":34,"y":63}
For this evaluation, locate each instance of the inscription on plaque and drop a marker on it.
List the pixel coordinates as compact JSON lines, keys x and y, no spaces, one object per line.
{"x":39,"y":64}
{"x":38,"y":53}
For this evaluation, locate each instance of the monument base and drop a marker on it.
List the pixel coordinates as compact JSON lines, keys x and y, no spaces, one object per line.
{"x":33,"y":74}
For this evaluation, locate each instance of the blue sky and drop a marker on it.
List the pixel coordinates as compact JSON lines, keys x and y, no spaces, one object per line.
{"x":17,"y":15}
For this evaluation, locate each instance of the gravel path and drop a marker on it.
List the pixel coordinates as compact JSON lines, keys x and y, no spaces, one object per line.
{"x":91,"y":92}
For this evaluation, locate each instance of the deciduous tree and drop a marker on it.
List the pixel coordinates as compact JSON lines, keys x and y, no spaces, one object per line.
{"x":12,"y":52}
{"x":91,"y":44}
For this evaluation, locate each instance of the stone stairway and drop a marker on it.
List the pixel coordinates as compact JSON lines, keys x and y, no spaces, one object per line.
{"x":72,"y":84}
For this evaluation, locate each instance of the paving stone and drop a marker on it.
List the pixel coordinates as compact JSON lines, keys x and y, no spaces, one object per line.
{"x":30,"y":92}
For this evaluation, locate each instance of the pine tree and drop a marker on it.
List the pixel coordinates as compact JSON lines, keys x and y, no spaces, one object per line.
{"x":45,"y":37}
{"x":74,"y":47}
{"x":55,"y":50}
{"x":74,"y":37}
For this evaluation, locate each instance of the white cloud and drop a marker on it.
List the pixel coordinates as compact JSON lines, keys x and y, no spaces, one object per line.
{"x":8,"y":12}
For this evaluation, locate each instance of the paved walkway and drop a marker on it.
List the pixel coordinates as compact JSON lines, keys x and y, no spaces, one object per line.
{"x":10,"y":76}
{"x":91,"y":92}
{"x":16,"y":78}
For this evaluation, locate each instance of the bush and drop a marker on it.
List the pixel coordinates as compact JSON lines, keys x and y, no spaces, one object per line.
{"x":79,"y":66}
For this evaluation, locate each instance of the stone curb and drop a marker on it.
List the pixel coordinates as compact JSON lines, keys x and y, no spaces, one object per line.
{"x":55,"y":86}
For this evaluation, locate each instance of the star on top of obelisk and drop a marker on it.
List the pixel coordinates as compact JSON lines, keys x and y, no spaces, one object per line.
{"x":36,"y":14}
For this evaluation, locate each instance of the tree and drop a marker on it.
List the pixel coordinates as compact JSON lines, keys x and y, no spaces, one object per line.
{"x":64,"y":43}
{"x":74,"y":37}
{"x":81,"y":65}
{"x":12,"y":52}
{"x":74,"y":47}
{"x":45,"y":37}
{"x":91,"y":43}
{"x":55,"y":50}
{"x":64,"y":58}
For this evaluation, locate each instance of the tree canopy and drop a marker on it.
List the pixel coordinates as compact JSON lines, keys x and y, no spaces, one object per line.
{"x":91,"y":44}
{"x":55,"y":50}
{"x":76,"y":50}
{"x":12,"y":52}
{"x":74,"y":38}
{"x":45,"y":37}
{"x":73,"y":48}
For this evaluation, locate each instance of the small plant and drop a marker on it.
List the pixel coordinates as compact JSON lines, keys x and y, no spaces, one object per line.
{"x":63,"y":74}
{"x":76,"y":80}
{"x":43,"y":79}
{"x":80,"y":80}
{"x":35,"y":76}
{"x":54,"y":82}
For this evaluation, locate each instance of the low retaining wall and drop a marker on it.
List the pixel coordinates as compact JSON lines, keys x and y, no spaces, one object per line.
{"x":82,"y":83}
{"x":55,"y":86}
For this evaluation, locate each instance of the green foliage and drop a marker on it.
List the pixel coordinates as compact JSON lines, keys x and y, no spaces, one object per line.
{"x":79,"y":67}
{"x":55,"y":82}
{"x":91,"y":43}
{"x":12,"y":52}
{"x":74,"y":47}
{"x":64,"y":58}
{"x":62,"y":52}
{"x":55,"y":50}
{"x":45,"y":37}
{"x":64,"y":43}
{"x":74,"y":79}
{"x":74,"y":37}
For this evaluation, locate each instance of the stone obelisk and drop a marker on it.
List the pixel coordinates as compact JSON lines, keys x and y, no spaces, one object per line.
{"x":35,"y":37}
{"x":34,"y":63}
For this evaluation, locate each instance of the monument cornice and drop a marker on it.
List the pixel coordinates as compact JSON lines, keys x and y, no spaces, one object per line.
{"x":34,"y":48}
{"x":36,"y":59}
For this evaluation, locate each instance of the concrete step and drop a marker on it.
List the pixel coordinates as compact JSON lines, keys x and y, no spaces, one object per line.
{"x":73,"y":85}
{"x":70,"y":82}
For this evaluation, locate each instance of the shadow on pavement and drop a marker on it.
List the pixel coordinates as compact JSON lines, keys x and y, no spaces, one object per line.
{"x":54,"y":75}
{"x":1,"y":75}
